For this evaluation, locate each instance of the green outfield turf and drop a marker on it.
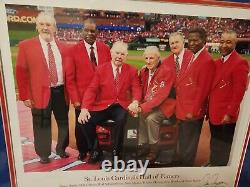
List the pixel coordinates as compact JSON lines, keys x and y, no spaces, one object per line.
{"x":134,"y":57}
{"x":21,"y":34}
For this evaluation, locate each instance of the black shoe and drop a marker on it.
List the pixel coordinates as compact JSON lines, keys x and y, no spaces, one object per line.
{"x":142,"y":151}
{"x":82,"y":156}
{"x":63,"y":155}
{"x":95,"y":156}
{"x":44,"y":160}
{"x":116,"y":153}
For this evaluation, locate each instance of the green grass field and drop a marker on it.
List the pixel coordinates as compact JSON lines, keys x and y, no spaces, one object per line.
{"x":21,"y":34}
{"x":134,"y":57}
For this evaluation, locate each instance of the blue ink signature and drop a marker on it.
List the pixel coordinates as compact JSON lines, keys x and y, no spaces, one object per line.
{"x":212,"y":180}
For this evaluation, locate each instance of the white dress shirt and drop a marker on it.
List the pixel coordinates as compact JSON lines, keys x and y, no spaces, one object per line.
{"x":114,"y":69}
{"x":225,"y":58}
{"x":180,"y":57}
{"x":198,"y":53}
{"x":57,"y":56}
{"x":88,"y":50}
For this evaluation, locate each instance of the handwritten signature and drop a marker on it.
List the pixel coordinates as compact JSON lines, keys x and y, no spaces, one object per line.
{"x":212,"y":180}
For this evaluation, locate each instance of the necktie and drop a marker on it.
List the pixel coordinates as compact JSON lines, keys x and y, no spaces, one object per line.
{"x":177,"y":65}
{"x":92,"y":56}
{"x":148,"y":94}
{"x":52,"y":66}
{"x":117,"y":76}
{"x":222,"y":59}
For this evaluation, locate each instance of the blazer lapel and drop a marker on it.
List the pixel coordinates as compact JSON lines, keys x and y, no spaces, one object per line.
{"x":99,"y":53}
{"x":222,"y":69}
{"x":38,"y":50}
{"x":85,"y":58}
{"x":186,"y":60}
{"x":123,"y":76}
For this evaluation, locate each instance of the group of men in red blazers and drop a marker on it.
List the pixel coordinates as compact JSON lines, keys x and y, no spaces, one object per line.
{"x":101,"y":85}
{"x":207,"y":88}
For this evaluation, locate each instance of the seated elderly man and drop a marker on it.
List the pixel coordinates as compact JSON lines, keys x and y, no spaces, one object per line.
{"x":157,"y":81}
{"x":114,"y":87}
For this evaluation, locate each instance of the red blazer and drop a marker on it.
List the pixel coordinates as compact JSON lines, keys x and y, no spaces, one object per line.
{"x":228,"y":88}
{"x":156,"y":94}
{"x":101,"y":92}
{"x":193,"y":84}
{"x":79,"y":71}
{"x":32,"y":73}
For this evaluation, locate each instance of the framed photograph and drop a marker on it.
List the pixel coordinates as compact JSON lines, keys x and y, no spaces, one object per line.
{"x":140,"y":24}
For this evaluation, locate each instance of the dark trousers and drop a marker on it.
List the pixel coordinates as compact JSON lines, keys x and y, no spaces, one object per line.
{"x":42,"y":124}
{"x":80,"y":134}
{"x":220,"y":143}
{"x":189,"y":134}
{"x":116,"y":113}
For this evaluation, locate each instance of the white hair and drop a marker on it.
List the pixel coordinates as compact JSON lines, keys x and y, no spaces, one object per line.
{"x":45,"y":16}
{"x":173,"y":34}
{"x":152,"y":49}
{"x":120,"y":45}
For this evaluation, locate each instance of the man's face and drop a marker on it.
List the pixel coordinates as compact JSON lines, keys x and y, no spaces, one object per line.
{"x":46,"y":28}
{"x":118,"y":56}
{"x":227,"y":43}
{"x":176,"y":44}
{"x":195,"y":43}
{"x":151,"y":61}
{"x":90,"y":33}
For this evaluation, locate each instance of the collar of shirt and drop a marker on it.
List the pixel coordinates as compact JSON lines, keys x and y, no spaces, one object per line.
{"x":114,"y":69}
{"x":57,"y":56}
{"x":198,"y":53}
{"x":88,"y":49}
{"x":226,"y":57}
{"x":150,"y":75}
{"x":180,"y":57}
{"x":45,"y":44}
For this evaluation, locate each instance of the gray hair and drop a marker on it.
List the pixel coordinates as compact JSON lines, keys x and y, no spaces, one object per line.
{"x":47,"y":17}
{"x":173,"y":34}
{"x":121,"y":46}
{"x":231,"y":32}
{"x":152,"y":49}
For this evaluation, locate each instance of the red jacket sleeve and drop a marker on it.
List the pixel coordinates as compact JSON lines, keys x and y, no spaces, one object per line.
{"x":135,"y":86}
{"x":91,"y":92}
{"x":239,"y":76}
{"x":167,"y":78}
{"x":70,"y":71}
{"x":22,"y":74}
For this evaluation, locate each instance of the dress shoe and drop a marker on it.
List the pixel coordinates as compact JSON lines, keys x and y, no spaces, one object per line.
{"x":153,"y":153}
{"x":63,"y":155}
{"x":95,"y":156}
{"x":44,"y":160}
{"x":82,"y":156}
{"x":116,"y":153}
{"x":142,"y":150}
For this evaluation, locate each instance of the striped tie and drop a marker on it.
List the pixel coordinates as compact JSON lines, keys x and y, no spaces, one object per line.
{"x":92,"y":56}
{"x":177,"y":65}
{"x":117,"y":76}
{"x":52,"y":66}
